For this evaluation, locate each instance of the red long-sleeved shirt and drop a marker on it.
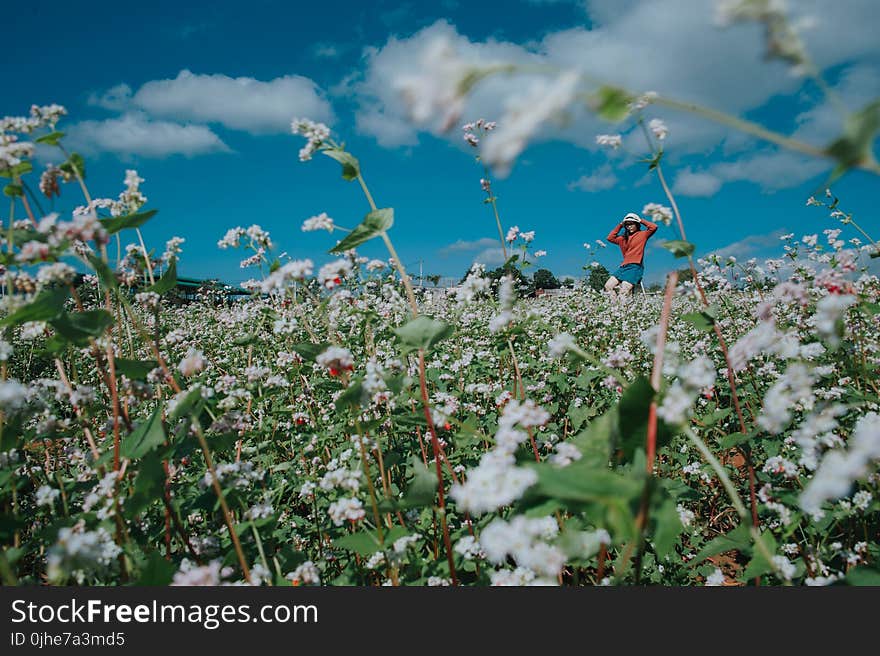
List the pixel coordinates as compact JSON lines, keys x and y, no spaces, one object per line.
{"x":632,"y":246}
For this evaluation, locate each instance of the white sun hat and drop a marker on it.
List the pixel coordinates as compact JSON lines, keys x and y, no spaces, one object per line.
{"x":632,"y":217}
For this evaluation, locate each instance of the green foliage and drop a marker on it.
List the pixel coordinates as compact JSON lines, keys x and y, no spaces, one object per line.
{"x":350,"y":166}
{"x":423,"y":332}
{"x":598,"y":277}
{"x":118,"y":223}
{"x":373,"y":225}
{"x":80,"y":327}
{"x":147,"y":436}
{"x":167,"y":282}
{"x":612,"y":103}
{"x":47,"y":305}
{"x":678,"y":247}
{"x":544,"y":279}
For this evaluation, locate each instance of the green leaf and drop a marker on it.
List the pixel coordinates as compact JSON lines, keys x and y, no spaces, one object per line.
{"x":167,"y":282}
{"x":310,"y":351}
{"x":13,"y":190}
{"x":148,"y":486}
{"x":50,"y":139}
{"x":351,"y":397}
{"x":702,"y":321}
{"x":863,"y":576}
{"x":423,"y":487}
{"x":157,"y":571}
{"x":47,"y":305}
{"x":145,"y":437}
{"x":759,"y":565}
{"x":594,"y":442}
{"x":633,"y":418}
{"x":613,"y":103}
{"x":17,"y":171}
{"x":79,"y":327}
{"x":668,"y":528}
{"x":185,"y":405}
{"x":9,"y":524}
{"x":104,"y":272}
{"x":678,"y":247}
{"x":423,"y":332}
{"x":374,"y":224}
{"x":735,"y":439}
{"x":585,"y":484}
{"x":135,"y":369}
{"x":854,"y":147}
{"x":365,"y":543}
{"x":74,"y":164}
{"x":738,"y":539}
{"x":350,"y":166}
{"x":117,"y":223}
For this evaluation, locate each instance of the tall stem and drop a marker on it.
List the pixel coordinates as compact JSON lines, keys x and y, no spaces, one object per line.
{"x":423,"y":384}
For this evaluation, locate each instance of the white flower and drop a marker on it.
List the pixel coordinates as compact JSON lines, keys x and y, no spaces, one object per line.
{"x":436,"y":89}
{"x":307,"y":574}
{"x":191,"y":575}
{"x":829,"y":311}
{"x":839,"y":468}
{"x":658,"y":213}
{"x":46,"y":495}
{"x":716,"y":578}
{"x":612,"y":140}
{"x":336,"y":359}
{"x":331,"y":274}
{"x":346,"y":510}
{"x":193,"y":363}
{"x":319,"y":222}
{"x":524,"y":115}
{"x":658,"y":128}
{"x":315,"y":133}
{"x":561,"y":344}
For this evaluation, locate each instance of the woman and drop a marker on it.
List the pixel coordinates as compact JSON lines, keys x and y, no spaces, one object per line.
{"x":632,"y":245}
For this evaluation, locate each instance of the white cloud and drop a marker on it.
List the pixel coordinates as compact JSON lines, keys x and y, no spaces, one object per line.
{"x":241,"y":103}
{"x":699,"y":184}
{"x":751,"y":246}
{"x":602,"y":178}
{"x":671,"y":46}
{"x":490,"y":257}
{"x":115,"y":98}
{"x":135,"y":134}
{"x":327,"y":51}
{"x":465,"y":246}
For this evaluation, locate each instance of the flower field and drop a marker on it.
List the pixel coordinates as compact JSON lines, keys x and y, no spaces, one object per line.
{"x":340,"y":426}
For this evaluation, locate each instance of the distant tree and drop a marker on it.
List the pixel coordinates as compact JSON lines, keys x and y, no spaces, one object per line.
{"x":434,"y":279}
{"x":598,"y":277}
{"x":544,"y":279}
{"x":685,"y":275}
{"x":568,"y":282}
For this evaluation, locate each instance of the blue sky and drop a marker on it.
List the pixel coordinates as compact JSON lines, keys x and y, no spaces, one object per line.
{"x":153,"y":87}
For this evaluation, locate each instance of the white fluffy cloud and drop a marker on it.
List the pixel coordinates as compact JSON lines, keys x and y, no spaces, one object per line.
{"x":671,"y":46}
{"x":136,"y":134}
{"x":466,"y":246}
{"x":602,"y":178}
{"x":490,"y":257}
{"x":241,"y":103}
{"x":772,"y":168}
{"x":751,"y":246}
{"x":696,"y":183}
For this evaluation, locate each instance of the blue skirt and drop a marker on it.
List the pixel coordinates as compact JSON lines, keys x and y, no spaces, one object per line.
{"x":631,"y":273}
